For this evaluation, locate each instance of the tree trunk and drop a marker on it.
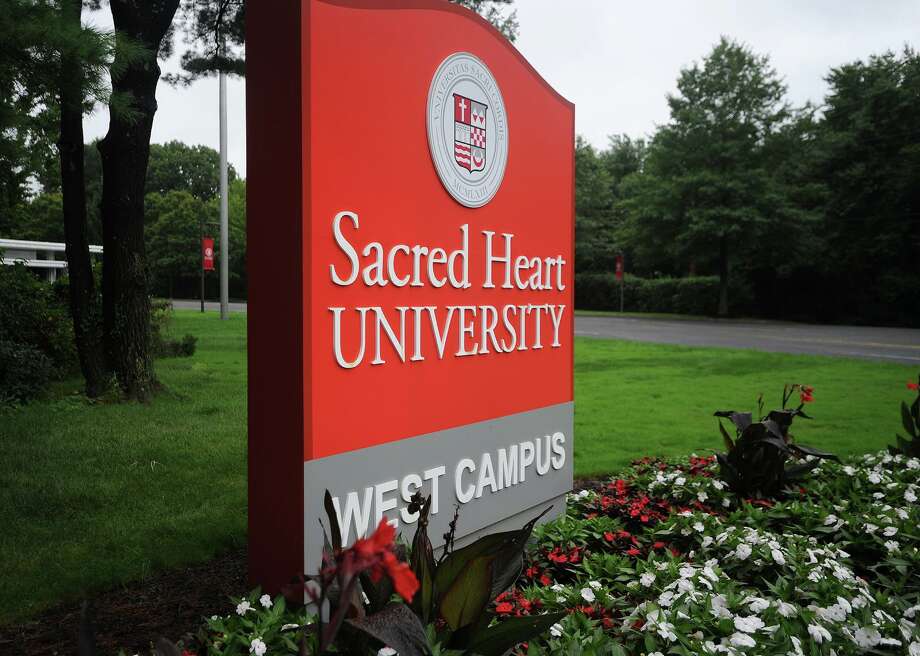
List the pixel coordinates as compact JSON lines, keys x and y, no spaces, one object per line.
{"x":125,"y":152}
{"x":84,"y":306}
{"x":723,"y":276}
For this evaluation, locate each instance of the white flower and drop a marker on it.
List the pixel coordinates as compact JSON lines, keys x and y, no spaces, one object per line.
{"x":784,"y":609}
{"x":830,"y":519}
{"x":909,"y":496}
{"x":387,"y":651}
{"x":870,"y":528}
{"x":666,"y":630}
{"x":835,"y":613}
{"x":258,"y":647}
{"x":890,"y":531}
{"x":742,"y":640}
{"x":243,"y":607}
{"x":743,"y":551}
{"x":914,"y":649}
{"x":757,"y":605}
{"x":680,"y":481}
{"x":707,"y":540}
{"x":595,"y":585}
{"x":702,"y":496}
{"x":818,"y":633}
{"x":748,"y":624}
{"x":867,"y":637}
{"x":797,"y":645}
{"x":647,"y":579}
{"x":588,"y":595}
{"x":285,"y":627}
{"x":557,"y":587}
{"x":266,"y":601}
{"x":720,"y":606}
{"x":686,"y":572}
{"x":892,"y":545}
{"x":555,"y":630}
{"x":698,"y":527}
{"x":726,"y":502}
{"x":778,"y":557}
{"x":717,"y":484}
{"x":913,"y":463}
{"x":849,"y":471}
{"x":874,"y":477}
{"x":582,"y":494}
{"x":656,"y":653}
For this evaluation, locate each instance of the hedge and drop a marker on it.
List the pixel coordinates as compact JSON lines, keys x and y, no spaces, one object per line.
{"x":692,"y":295}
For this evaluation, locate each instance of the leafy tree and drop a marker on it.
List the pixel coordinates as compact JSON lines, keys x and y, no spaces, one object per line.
{"x":173,"y":239}
{"x":593,"y":208}
{"x":494,"y":12}
{"x":175,"y":166}
{"x":712,"y":187}
{"x":125,"y":152}
{"x":870,"y":162}
{"x":53,"y":69}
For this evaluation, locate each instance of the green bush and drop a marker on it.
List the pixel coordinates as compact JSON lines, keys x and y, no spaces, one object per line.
{"x":692,"y":295}
{"x":24,"y":372}
{"x":163,"y":346}
{"x":31,"y":315}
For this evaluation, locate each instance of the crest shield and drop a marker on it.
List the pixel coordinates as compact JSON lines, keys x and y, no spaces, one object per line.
{"x":470,"y":133}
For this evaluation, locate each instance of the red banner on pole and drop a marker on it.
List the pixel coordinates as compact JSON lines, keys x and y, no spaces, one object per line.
{"x":207,"y":253}
{"x":619,"y":267}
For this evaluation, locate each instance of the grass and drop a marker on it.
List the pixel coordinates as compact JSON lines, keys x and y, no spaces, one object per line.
{"x":95,"y":495}
{"x":635,"y":399}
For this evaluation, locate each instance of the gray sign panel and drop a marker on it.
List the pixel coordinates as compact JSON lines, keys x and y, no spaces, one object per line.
{"x":499,"y":472}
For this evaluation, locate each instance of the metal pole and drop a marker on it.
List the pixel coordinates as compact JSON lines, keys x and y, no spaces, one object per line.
{"x":201,"y":263}
{"x":224,"y":208}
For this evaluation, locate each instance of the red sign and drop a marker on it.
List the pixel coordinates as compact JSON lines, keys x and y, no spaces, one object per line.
{"x":207,"y":253}
{"x":410,"y":274}
{"x":619,"y":267}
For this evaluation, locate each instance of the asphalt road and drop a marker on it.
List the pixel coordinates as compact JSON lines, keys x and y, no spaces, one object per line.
{"x":886,"y":344}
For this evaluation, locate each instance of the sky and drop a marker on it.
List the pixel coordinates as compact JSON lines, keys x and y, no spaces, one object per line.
{"x":615,"y":59}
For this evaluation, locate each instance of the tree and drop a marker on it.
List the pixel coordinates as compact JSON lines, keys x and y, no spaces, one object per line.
{"x":175,"y":166}
{"x":593,"y":209}
{"x":712,"y":185}
{"x":494,"y":12}
{"x":125,"y":151}
{"x":870,"y":162}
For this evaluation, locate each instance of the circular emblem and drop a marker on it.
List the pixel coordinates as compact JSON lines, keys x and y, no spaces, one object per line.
{"x":467,"y":129}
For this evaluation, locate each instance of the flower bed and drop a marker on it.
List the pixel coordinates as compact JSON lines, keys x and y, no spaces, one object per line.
{"x":665,"y":559}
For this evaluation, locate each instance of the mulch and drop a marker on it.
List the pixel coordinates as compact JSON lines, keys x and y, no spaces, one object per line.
{"x":170,"y":604}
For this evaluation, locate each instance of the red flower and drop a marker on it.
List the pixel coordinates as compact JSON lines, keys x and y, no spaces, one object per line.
{"x":504,"y":608}
{"x":633,"y":552}
{"x":659,"y":545}
{"x":608,"y":536}
{"x":375,"y":556}
{"x":545,"y":580}
{"x":806,"y":396}
{"x":913,"y":386}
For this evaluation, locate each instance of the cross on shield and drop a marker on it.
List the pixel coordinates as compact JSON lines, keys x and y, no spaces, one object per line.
{"x":469,"y":133}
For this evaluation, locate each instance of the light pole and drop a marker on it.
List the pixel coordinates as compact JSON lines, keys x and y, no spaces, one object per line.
{"x":224,"y":206}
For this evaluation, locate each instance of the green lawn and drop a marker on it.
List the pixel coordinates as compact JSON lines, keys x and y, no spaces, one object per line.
{"x":95,"y":495}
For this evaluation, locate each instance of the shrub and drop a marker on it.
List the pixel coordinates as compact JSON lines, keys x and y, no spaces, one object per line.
{"x":692,"y":295}
{"x":162,"y":345}
{"x":24,"y":372}
{"x":755,"y":461}
{"x":910,"y":419}
{"x":31,"y":315}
